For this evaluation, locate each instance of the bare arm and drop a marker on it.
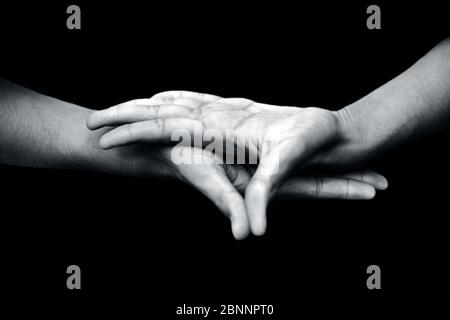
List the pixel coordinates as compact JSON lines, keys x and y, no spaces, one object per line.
{"x":415,"y":103}
{"x":44,"y":132}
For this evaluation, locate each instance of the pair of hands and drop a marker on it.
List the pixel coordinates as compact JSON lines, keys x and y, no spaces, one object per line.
{"x":283,"y":139}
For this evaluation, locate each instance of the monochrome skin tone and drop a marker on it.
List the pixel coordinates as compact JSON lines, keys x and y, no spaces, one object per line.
{"x":412,"y":104}
{"x":44,"y":132}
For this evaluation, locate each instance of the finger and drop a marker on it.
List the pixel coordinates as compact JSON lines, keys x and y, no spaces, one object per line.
{"x":214,"y":184}
{"x":259,"y":190}
{"x":326,"y":188}
{"x":133,"y":112}
{"x":367,"y":176}
{"x":160,"y":130}
{"x":170,"y":96}
{"x":275,"y":164}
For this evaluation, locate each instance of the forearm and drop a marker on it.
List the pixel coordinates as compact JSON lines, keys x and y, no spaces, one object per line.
{"x":44,"y":132}
{"x":416,"y":102}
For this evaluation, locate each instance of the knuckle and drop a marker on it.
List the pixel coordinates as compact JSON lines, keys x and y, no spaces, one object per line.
{"x":161,"y":125}
{"x":347,"y":191}
{"x":319,"y":186}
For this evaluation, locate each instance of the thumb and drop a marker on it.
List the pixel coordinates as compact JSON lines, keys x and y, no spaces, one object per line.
{"x":211,"y":180}
{"x":262,"y":186}
{"x":278,"y":159}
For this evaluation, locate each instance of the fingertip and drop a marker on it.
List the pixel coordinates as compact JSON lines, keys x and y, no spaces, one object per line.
{"x":259,"y":228}
{"x":383,"y":183}
{"x":256,"y":202}
{"x":104,"y":142}
{"x":238,"y":216}
{"x":239,"y":226}
{"x":239,"y":232}
{"x":370,"y":193}
{"x":90,"y":122}
{"x":378,"y":181}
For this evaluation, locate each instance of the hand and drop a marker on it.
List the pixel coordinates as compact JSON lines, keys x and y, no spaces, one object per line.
{"x":225,"y":184}
{"x":296,"y":137}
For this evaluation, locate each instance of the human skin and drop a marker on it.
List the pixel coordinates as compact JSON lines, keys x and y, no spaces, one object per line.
{"x":44,"y":132}
{"x":414,"y":103}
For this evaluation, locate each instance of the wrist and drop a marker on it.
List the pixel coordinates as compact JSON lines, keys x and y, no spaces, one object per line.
{"x":347,"y":128}
{"x":132,"y":160}
{"x":81,"y":144}
{"x":350,"y":146}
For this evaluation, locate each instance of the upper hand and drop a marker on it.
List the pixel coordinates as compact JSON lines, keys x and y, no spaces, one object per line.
{"x":283,"y":138}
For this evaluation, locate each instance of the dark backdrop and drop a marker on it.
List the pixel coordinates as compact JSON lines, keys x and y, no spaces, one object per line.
{"x":151,"y":238}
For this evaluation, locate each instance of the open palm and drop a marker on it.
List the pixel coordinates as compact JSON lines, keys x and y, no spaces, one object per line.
{"x":282,"y":138}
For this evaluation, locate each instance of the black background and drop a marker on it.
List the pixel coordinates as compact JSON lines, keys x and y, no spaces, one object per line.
{"x":160,"y":240}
